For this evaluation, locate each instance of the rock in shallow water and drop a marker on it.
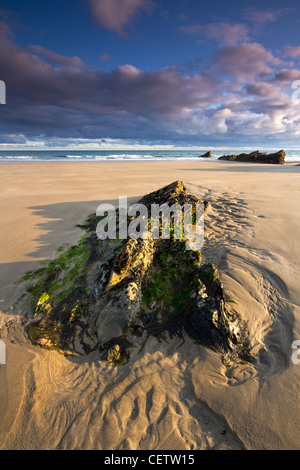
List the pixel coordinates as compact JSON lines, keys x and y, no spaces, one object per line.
{"x":110,"y":295}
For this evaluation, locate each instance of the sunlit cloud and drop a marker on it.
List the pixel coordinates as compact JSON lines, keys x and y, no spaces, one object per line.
{"x":115,"y":15}
{"x":243,"y":89}
{"x":224,"y":33}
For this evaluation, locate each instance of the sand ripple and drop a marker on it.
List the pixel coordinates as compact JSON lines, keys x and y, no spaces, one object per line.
{"x":169,"y":397}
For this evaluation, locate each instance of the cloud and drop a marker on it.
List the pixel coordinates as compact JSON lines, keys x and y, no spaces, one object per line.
{"x":262,"y":16}
{"x":56,"y":59}
{"x":219,"y":120}
{"x":244,"y":61}
{"x":263,"y":108}
{"x":285,"y":75}
{"x":114,"y":15}
{"x":81,"y":101}
{"x":243,"y":91}
{"x":293,"y":52}
{"x":225,"y":33}
{"x":105,"y":57}
{"x":260,"y":90}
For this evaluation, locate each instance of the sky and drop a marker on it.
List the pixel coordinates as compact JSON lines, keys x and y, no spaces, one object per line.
{"x":179,"y":73}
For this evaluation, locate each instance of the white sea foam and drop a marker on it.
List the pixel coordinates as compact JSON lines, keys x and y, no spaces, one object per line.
{"x":188,"y":154}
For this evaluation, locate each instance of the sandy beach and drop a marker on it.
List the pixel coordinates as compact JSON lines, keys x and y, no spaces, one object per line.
{"x":170,"y":396}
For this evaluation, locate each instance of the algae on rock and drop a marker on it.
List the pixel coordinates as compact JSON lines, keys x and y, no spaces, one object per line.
{"x":110,"y":297}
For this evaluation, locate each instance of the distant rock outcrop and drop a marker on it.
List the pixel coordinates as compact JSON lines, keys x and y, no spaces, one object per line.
{"x":205,"y":155}
{"x":257,"y":157}
{"x":111,"y":295}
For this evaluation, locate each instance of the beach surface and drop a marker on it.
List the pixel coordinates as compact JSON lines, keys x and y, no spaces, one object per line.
{"x":171,"y":396}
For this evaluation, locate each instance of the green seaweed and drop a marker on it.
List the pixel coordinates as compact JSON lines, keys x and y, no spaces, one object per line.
{"x":176,"y":293}
{"x":26,"y":276}
{"x":168,"y":282}
{"x":63,"y":294}
{"x":52,"y":283}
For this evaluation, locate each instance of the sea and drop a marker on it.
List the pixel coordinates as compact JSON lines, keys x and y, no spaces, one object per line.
{"x":126,"y":155}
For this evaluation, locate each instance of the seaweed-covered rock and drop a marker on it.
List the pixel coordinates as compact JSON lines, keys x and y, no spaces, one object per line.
{"x":111,"y":295}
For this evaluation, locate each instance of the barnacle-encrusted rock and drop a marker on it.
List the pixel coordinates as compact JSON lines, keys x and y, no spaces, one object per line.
{"x":111,"y":295}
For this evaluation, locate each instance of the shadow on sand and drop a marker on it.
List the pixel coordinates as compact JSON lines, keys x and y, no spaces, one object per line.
{"x":58,"y":222}
{"x":248,"y":168}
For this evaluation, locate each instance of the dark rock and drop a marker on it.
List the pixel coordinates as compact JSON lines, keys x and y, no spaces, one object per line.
{"x":205,"y":155}
{"x":115,"y":351}
{"x":53,"y":276}
{"x":112,"y":295}
{"x":257,"y":157}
